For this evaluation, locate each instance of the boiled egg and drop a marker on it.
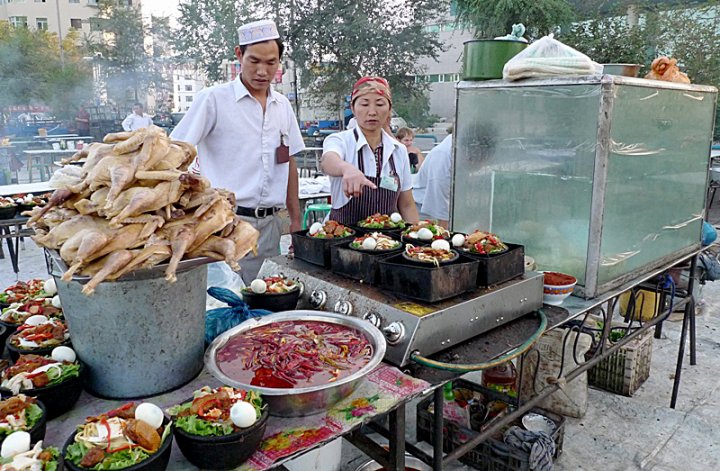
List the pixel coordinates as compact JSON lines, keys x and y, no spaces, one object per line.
{"x":440,"y":244}
{"x":395,"y":217}
{"x":315,"y":228}
{"x":150,"y":414}
{"x":458,"y":240}
{"x":63,"y":353}
{"x":369,"y":244}
{"x":243,"y":414}
{"x":49,"y":287}
{"x":424,"y":234}
{"x":56,"y":302}
{"x":37,"y":319}
{"x":258,"y":286}
{"x":412,"y":235}
{"x":14,"y":444}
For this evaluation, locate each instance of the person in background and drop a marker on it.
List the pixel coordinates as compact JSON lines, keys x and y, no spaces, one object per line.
{"x":137,"y":119}
{"x":369,"y":170}
{"x":246,"y":134}
{"x":432,"y":190}
{"x":82,"y":121}
{"x":406,"y":136}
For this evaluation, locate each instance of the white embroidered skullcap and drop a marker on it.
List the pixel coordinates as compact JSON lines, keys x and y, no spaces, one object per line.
{"x":257,"y":32}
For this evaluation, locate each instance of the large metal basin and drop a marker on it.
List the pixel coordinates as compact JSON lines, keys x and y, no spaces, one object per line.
{"x":297,"y":402}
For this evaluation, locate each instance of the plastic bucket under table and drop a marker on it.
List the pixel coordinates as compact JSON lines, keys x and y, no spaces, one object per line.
{"x":140,"y":335}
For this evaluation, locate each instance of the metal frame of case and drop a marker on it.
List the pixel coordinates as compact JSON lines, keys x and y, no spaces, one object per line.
{"x":607,"y":84}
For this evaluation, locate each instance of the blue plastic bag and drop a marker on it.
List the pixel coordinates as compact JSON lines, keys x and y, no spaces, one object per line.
{"x":222,"y":319}
{"x":709,"y":234}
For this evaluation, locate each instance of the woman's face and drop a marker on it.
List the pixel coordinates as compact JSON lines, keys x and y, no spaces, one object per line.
{"x":371,"y":111}
{"x":407,"y":140}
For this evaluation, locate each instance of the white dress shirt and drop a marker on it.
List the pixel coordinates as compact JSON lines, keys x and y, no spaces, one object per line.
{"x":134,"y":122}
{"x":236,"y":142}
{"x":433,"y":182}
{"x":344,"y":144}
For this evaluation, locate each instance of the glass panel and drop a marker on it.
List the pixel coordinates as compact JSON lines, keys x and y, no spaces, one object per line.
{"x":524,"y":164}
{"x":658,"y":153}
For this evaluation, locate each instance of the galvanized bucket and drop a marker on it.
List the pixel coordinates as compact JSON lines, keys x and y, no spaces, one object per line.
{"x":139,"y":335}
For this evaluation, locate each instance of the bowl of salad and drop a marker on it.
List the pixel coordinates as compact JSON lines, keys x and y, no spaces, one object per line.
{"x":56,"y":382}
{"x":374,"y":242}
{"x":428,"y":256}
{"x":329,"y":230}
{"x":21,"y":291}
{"x":26,"y":202}
{"x":377,"y":221}
{"x":274,"y":293}
{"x":479,"y":243}
{"x":40,"y":337}
{"x":219,"y":428}
{"x":8,"y":208}
{"x":424,"y":232}
{"x":131,"y":437}
{"x":25,"y":413}
{"x":21,"y":456}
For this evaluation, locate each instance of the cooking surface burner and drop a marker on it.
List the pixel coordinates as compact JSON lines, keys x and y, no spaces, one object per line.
{"x":410,"y":325}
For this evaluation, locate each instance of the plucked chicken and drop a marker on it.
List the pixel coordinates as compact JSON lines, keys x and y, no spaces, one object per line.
{"x":133,"y":205}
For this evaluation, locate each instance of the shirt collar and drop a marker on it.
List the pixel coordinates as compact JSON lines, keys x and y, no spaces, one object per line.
{"x":388,"y":142}
{"x":241,"y":91}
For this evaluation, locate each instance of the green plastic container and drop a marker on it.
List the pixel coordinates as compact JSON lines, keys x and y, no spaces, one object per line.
{"x":484,"y":59}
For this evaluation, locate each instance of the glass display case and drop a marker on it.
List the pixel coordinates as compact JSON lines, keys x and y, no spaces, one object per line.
{"x":600,"y":177}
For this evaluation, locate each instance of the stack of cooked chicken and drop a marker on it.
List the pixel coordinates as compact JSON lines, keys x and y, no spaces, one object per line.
{"x":134,"y":205}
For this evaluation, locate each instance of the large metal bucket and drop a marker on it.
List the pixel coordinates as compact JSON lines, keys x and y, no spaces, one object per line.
{"x":484,"y":59}
{"x":140,"y":335}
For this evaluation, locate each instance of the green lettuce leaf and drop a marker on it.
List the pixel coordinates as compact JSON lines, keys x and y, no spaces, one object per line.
{"x":33,"y":414}
{"x":194,"y":425}
{"x":118,"y":460}
{"x":66,"y":372}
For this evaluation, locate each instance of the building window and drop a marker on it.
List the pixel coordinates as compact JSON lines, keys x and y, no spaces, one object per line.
{"x":39,"y":1}
{"x":188,"y":99}
{"x":92,"y":2}
{"x":96,"y":24}
{"x":76,"y":23}
{"x":41,"y":23}
{"x":74,"y":1}
{"x":188,"y":88}
{"x":19,"y":21}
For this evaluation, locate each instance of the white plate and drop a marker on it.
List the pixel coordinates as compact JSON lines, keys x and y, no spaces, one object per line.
{"x":538,"y":423}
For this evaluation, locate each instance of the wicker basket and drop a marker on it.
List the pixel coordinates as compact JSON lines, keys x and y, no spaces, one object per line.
{"x":492,"y":454}
{"x":625,"y":370}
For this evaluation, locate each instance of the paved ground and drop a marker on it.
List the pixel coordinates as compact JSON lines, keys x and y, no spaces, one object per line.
{"x":617,"y":433}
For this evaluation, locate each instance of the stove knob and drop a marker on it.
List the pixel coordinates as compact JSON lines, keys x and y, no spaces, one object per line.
{"x":318,"y":299}
{"x":394,"y":333}
{"x":373,"y":318}
{"x":343,"y":307}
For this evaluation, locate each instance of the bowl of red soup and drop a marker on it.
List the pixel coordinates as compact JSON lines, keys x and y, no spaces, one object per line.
{"x":301,"y":362}
{"x":556,"y":287}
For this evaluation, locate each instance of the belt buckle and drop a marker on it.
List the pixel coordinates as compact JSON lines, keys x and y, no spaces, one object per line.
{"x":257,"y":213}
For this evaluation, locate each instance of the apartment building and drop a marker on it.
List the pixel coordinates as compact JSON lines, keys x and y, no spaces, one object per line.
{"x":187,"y":81}
{"x":57,"y":16}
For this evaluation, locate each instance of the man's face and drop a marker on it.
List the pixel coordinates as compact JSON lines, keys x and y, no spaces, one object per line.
{"x":138,"y":110}
{"x":259,"y":64}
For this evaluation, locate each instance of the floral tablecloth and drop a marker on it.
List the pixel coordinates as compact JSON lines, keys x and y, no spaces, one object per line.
{"x":381,"y":391}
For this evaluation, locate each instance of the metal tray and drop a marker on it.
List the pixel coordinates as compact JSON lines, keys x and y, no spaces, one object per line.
{"x":359,"y":265}
{"x":313,"y":250}
{"x":498,"y":268}
{"x":57,"y":266}
{"x":430,"y":284}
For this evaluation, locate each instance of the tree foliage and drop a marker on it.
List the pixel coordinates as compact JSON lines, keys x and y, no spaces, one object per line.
{"x":207,"y":32}
{"x":31,"y":72}
{"x":128,"y":69}
{"x":492,"y":18}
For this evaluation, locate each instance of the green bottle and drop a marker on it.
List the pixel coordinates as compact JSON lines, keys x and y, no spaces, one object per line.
{"x":448,"y":391}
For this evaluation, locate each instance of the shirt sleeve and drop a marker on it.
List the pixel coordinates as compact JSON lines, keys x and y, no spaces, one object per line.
{"x":334,"y":143}
{"x":296,"y":141}
{"x":127,"y":123}
{"x":198,"y":121}
{"x":402,"y":165}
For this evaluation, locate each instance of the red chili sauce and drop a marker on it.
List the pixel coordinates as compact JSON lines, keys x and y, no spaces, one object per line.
{"x":294,"y":354}
{"x":558,"y":279}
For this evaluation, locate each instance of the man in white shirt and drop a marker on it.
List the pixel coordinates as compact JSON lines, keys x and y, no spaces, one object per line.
{"x":137,"y":119}
{"x":432,"y":191}
{"x":246,"y":134}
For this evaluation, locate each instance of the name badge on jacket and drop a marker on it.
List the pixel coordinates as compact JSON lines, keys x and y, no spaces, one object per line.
{"x":389,"y":183}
